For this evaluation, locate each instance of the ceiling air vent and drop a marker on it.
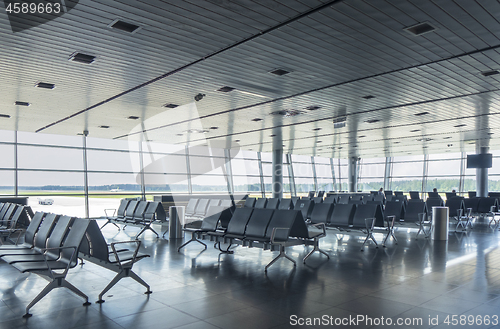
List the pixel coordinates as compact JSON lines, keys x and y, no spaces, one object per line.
{"x":133,"y":117}
{"x":22,"y":103}
{"x":104,"y":127}
{"x":4,"y":116}
{"x":45,"y":85}
{"x":368,"y":97}
{"x":170,"y":106}
{"x":372,"y":120}
{"x":339,"y":122}
{"x":313,"y":108}
{"x":489,"y":73}
{"x":226,"y":89}
{"x":279,"y":72}
{"x":287,"y":113}
{"x":421,"y":113}
{"x":460,"y":125}
{"x":124,"y":26}
{"x":257,"y":119}
{"x":82,"y":58}
{"x":316,"y":129}
{"x":414,"y":130}
{"x":421,"y":28}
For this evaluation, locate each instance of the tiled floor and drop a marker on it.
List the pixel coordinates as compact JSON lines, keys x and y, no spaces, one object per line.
{"x":193,"y":289}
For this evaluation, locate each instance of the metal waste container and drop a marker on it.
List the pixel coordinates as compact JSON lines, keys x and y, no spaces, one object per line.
{"x":176,"y":221}
{"x":440,"y":220}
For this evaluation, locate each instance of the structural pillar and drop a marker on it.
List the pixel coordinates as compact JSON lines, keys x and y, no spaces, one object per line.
{"x":481,"y":175}
{"x":353,"y":174}
{"x":278,"y":173}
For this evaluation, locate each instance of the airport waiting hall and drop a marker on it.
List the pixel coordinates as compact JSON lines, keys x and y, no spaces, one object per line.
{"x":249,"y":164}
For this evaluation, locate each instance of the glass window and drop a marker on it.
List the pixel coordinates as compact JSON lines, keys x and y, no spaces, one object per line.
{"x":265,"y":156}
{"x":320,"y":160}
{"x":50,"y":182}
{"x":162,"y":163}
{"x":372,"y":170}
{"x":406,"y":184}
{"x":245,"y":167}
{"x":108,"y":160}
{"x":204,"y":165}
{"x":243,"y":154}
{"x":149,"y":147}
{"x":301,"y":158}
{"x":114,"y":182}
{"x":304,"y":185}
{"x":370,"y":184}
{"x":444,"y":167}
{"x":157,"y":183}
{"x":246,"y":184}
{"x":7,"y":136}
{"x":41,"y":157}
{"x":443,"y":184}
{"x":324,"y":171}
{"x":302,"y":169}
{"x":112,"y":144}
{"x":49,"y":139}
{"x":7,"y":158}
{"x":407,"y":169}
{"x":325,"y":184}
{"x":7,"y":177}
{"x":206,"y":151}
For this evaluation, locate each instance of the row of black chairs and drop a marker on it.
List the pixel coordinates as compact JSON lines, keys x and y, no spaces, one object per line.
{"x":197,"y":208}
{"x":51,"y":247}
{"x":14,"y":218}
{"x":272,"y":229}
{"x":137,"y":213}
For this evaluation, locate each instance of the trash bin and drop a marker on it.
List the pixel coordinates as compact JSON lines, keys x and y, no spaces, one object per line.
{"x":176,"y":221}
{"x":440,"y":220}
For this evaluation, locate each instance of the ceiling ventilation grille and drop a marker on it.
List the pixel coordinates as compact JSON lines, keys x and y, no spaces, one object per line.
{"x":421,"y":113}
{"x":82,"y":58}
{"x":287,"y":113}
{"x":22,"y":103}
{"x":170,"y":106}
{"x":279,"y":72}
{"x":421,"y":28}
{"x":45,"y":85}
{"x":124,"y":26}
{"x":489,"y":73}
{"x":372,"y":120}
{"x":226,"y":89}
{"x":4,"y":116}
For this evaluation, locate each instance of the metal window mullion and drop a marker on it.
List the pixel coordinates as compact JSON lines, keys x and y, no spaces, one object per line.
{"x":332,"y":167}
{"x":141,"y":172}
{"x":16,"y":176}
{"x":461,"y":182}
{"x":293,"y":190}
{"x":188,"y":171}
{"x":315,"y":178}
{"x":85,"y":174}
{"x":229,"y":172}
{"x":387,"y":173}
{"x":262,"y":186}
{"x":340,"y":176}
{"x":425,"y":172}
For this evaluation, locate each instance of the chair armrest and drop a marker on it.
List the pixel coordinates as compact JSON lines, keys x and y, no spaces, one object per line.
{"x":320,"y":226}
{"x":276,"y":229}
{"x":73,"y":256}
{"x":120,"y":264}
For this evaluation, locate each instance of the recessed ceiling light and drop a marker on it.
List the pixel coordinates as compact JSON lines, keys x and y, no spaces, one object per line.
{"x":170,"y":105}
{"x":460,"y":125}
{"x":489,"y":73}
{"x":272,"y":135}
{"x":45,"y":85}
{"x":447,"y":137}
{"x":279,"y":72}
{"x":226,"y":89}
{"x":236,"y":140}
{"x":79,"y":134}
{"x":4,"y":116}
{"x":22,"y":103}
{"x":372,"y":120}
{"x":257,"y":119}
{"x":362,"y":136}
{"x":133,"y":117}
{"x":396,"y":142}
{"x":368,"y":97}
{"x":104,"y":127}
{"x":420,"y":28}
{"x":316,"y":129}
{"x":287,"y":113}
{"x":421,"y":113}
{"x":414,"y":130}
{"x":124,"y":26}
{"x":313,"y":108}
{"x":179,"y":134}
{"x":82,"y":58}
{"x":214,"y":128}
{"x":340,"y":147}
{"x":319,"y":141}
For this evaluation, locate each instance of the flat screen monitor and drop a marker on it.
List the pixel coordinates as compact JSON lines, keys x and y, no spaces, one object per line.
{"x":480,"y":160}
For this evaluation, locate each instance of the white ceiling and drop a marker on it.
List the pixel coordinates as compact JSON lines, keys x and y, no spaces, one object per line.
{"x":337,"y":52}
